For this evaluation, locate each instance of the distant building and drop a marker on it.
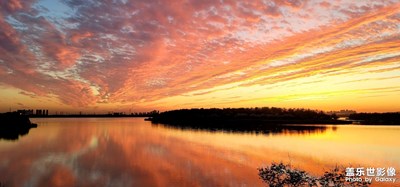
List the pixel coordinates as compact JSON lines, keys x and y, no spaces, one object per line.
{"x":30,"y":112}
{"x":342,"y":113}
{"x":25,"y":112}
{"x":40,"y":112}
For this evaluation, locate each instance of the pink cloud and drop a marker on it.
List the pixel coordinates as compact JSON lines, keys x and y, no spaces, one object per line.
{"x":152,"y":50}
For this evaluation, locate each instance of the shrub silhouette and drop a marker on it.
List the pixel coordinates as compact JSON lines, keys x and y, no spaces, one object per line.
{"x":279,"y":175}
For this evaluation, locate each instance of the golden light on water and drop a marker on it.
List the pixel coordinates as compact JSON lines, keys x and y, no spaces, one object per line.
{"x":132,"y":150}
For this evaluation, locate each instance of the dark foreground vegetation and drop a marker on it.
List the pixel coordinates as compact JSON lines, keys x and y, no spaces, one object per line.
{"x":243,"y":118}
{"x":279,"y":175}
{"x":13,"y":125}
{"x":390,"y":118}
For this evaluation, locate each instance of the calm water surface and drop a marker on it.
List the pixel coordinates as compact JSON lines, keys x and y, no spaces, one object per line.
{"x":133,"y":152}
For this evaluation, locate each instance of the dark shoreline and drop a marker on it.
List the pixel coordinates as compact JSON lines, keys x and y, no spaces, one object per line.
{"x":388,"y":118}
{"x":258,"y":126}
{"x":246,"y":122}
{"x":13,"y":125}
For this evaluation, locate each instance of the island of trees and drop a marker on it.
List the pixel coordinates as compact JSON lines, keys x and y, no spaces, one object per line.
{"x":247,"y":119}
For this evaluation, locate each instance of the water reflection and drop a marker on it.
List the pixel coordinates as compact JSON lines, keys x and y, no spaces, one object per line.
{"x":132,"y":152}
{"x":262,"y":129}
{"x":14,"y":132}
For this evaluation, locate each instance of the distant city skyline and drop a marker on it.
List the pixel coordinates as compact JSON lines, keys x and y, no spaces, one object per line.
{"x":138,"y":56}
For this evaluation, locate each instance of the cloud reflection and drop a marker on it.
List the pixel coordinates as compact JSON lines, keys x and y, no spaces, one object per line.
{"x":131,"y":152}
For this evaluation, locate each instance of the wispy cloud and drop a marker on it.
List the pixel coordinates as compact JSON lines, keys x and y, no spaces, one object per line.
{"x":143,"y":52}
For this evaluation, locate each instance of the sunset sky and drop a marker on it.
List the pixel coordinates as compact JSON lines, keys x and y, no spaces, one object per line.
{"x":140,"y":55}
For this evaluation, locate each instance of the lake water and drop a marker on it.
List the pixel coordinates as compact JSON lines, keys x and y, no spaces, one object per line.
{"x":133,"y":152}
